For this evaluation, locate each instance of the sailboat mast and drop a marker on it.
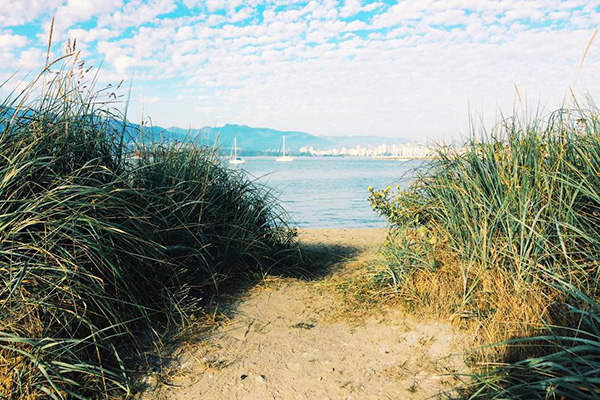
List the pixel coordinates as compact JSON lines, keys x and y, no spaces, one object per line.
{"x":284,"y":145}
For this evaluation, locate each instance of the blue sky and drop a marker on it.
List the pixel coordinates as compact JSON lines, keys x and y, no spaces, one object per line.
{"x":393,"y":68}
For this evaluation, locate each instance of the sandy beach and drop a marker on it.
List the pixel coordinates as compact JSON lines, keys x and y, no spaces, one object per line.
{"x":286,"y":340}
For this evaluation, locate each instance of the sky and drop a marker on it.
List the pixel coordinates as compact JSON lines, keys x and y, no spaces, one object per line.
{"x":412,"y":69}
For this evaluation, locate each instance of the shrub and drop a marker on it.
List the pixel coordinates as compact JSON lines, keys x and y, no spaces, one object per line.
{"x":482,"y":230}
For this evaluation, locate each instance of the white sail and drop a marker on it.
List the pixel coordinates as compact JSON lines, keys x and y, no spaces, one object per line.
{"x":284,"y":157}
{"x":233,"y":157}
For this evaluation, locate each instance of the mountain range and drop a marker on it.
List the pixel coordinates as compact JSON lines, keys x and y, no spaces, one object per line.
{"x":250,"y":139}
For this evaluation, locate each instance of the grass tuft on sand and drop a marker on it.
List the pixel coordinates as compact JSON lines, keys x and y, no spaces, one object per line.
{"x":504,"y":235}
{"x":109,"y":239}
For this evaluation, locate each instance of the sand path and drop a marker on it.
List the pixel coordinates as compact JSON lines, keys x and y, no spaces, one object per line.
{"x":287,"y":339}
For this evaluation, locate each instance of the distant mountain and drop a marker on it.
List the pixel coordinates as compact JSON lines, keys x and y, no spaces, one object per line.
{"x":251,"y":139}
{"x":257,"y":140}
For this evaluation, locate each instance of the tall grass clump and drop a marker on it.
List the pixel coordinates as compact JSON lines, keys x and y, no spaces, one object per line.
{"x":570,"y":367}
{"x":484,"y":227}
{"x":107,"y":242}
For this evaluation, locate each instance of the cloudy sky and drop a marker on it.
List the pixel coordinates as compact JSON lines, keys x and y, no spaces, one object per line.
{"x":330,"y":67}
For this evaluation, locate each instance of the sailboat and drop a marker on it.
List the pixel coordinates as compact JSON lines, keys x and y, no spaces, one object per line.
{"x":284,"y":157}
{"x":233,"y":157}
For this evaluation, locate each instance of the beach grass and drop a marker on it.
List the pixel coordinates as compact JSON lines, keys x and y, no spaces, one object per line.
{"x":567,"y":369}
{"x":110,"y":240}
{"x":504,"y":235}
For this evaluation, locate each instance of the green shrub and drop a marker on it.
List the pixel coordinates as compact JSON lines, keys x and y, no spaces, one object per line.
{"x":483,"y":229}
{"x":524,"y":197}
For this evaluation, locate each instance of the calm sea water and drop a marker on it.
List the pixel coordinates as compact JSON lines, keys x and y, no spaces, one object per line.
{"x":329,"y":191}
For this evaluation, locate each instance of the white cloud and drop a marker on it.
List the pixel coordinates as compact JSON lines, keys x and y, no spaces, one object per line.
{"x":122,"y":63}
{"x":351,"y":7}
{"x":74,"y":11}
{"x":136,"y":13}
{"x":30,"y":58}
{"x":15,"y":13}
{"x":9,"y":41}
{"x":91,"y":35}
{"x":331,"y":67}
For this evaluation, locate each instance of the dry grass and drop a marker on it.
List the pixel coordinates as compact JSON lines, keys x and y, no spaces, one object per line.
{"x":502,"y":237}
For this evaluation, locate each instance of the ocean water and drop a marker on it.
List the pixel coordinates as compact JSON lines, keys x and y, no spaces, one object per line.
{"x":329,"y":191}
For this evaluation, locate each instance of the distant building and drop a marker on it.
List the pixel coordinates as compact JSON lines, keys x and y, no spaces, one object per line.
{"x":407,"y":150}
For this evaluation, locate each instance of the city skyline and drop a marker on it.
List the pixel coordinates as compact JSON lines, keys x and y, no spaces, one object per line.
{"x":406,"y":150}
